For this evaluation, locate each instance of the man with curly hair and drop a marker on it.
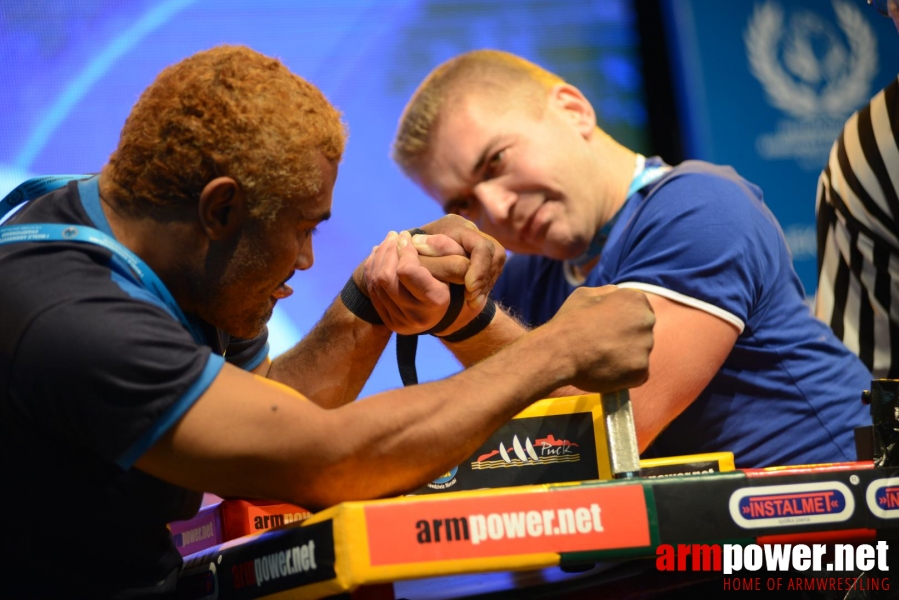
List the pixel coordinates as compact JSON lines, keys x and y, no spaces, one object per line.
{"x":133,"y":354}
{"x":739,"y":363}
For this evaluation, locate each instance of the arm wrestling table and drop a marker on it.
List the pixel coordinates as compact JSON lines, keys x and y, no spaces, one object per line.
{"x":564,"y":540}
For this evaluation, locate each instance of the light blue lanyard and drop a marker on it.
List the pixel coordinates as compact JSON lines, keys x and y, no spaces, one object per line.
{"x":643,"y":177}
{"x":646,"y":176}
{"x":137,"y":270}
{"x":31,"y":189}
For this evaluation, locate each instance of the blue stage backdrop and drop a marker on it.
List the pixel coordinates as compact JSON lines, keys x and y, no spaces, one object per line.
{"x":72,"y":70}
{"x":765,"y":86}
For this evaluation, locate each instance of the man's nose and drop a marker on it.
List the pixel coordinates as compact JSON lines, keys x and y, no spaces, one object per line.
{"x":495,"y":200}
{"x":306,"y":257}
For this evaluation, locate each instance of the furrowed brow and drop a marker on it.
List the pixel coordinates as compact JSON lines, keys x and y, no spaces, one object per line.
{"x":482,"y":159}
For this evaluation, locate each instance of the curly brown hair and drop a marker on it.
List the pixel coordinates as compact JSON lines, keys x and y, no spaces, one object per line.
{"x":227,"y":111}
{"x":501,"y":76}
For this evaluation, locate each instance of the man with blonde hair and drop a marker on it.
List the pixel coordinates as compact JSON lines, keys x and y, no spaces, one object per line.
{"x":739,"y":362}
{"x":133,"y":354}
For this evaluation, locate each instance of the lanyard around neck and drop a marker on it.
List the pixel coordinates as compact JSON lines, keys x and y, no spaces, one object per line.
{"x":643,"y":176}
{"x":130,"y":263}
{"x":31,"y":189}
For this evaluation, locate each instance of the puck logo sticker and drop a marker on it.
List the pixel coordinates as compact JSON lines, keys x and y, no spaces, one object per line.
{"x":543,"y":451}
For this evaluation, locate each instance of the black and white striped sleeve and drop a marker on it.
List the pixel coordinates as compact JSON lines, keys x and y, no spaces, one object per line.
{"x":858,"y":234}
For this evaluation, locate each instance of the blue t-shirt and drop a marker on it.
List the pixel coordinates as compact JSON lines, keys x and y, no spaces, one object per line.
{"x":789,"y":392}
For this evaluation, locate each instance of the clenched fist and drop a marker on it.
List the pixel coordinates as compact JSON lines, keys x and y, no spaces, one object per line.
{"x":605,"y":334}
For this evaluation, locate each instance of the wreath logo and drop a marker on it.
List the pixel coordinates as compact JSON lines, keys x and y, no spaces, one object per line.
{"x":806,"y":69}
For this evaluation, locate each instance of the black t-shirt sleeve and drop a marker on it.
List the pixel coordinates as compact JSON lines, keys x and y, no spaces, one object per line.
{"x":248,"y":354}
{"x":109,"y":374}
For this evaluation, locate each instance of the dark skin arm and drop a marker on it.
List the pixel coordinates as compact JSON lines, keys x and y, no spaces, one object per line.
{"x":250,"y":437}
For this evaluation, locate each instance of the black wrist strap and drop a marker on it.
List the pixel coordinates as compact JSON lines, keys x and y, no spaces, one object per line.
{"x":407,"y":345}
{"x":475,"y":326}
{"x":457,"y":301}
{"x":359,"y":304}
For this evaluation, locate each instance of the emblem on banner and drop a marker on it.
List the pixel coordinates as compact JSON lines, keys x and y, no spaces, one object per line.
{"x":816,"y":70}
{"x":805,"y":68}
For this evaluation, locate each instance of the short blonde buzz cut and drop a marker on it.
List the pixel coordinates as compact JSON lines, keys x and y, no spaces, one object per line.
{"x":500,"y":76}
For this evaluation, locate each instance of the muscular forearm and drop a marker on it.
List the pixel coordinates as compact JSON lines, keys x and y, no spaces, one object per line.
{"x":280,"y":446}
{"x":332,"y":363}
{"x":442,"y":423}
{"x":502,"y":331}
{"x":397,"y":440}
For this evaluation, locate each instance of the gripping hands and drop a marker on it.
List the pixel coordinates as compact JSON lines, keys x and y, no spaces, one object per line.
{"x":602,"y":336}
{"x":406,"y":277}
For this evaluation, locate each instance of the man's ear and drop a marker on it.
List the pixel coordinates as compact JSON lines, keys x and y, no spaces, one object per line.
{"x":575,"y":106}
{"x":222,"y":208}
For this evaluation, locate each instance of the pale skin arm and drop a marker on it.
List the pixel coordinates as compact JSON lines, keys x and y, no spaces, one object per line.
{"x":249,"y":437}
{"x":691,"y":346}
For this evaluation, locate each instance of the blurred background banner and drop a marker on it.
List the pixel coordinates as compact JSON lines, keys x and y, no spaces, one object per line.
{"x":71,"y":72}
{"x":766,"y":85}
{"x":760,"y":85}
